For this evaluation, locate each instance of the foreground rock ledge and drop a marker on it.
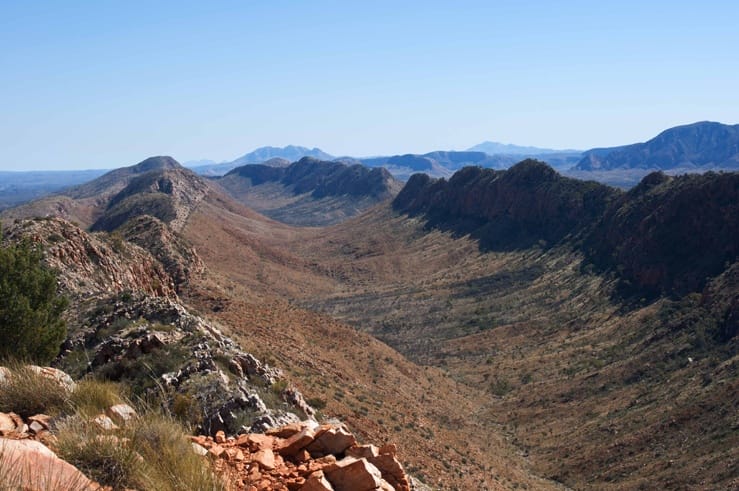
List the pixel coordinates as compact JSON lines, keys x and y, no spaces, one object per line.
{"x":303,"y":457}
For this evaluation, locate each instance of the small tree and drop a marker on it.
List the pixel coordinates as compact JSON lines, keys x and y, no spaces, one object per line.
{"x":31,"y":327}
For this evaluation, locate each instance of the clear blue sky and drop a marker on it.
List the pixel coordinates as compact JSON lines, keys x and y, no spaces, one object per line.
{"x":102,"y":84}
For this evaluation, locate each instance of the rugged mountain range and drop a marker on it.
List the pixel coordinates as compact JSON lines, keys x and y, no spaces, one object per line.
{"x":534,"y":330}
{"x":495,"y":148}
{"x":310,"y":191}
{"x":704,"y":145}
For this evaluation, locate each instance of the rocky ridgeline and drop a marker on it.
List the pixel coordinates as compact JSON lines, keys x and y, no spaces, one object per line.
{"x":93,"y":264}
{"x":304,"y":457}
{"x":139,"y":340}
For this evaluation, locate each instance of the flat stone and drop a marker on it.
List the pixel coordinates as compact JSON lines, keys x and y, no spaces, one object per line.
{"x":36,"y":427}
{"x":265,"y":458}
{"x":257,"y":441}
{"x":286,"y":431}
{"x":43,"y":419}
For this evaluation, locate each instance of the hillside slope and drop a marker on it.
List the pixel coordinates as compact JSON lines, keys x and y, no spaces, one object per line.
{"x":600,"y":390}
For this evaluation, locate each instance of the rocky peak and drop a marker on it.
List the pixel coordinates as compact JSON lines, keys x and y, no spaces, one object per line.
{"x":155,"y":163}
{"x":167,"y":194}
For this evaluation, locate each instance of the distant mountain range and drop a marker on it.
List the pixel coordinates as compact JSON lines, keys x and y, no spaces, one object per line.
{"x":495,"y":148}
{"x":290,"y":153}
{"x":704,"y":145}
{"x":694,"y":147}
{"x":310,"y":191}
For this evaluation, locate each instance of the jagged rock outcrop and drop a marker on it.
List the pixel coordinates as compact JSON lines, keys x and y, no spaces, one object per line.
{"x":179,"y":259}
{"x":525,"y":205}
{"x":92,"y":264}
{"x":155,"y":345}
{"x":305,"y":457}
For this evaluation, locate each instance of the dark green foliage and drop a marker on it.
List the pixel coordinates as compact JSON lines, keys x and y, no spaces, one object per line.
{"x":31,"y":327}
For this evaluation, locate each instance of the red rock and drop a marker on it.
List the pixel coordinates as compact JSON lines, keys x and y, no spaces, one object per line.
{"x":220,"y":437}
{"x":297,"y":442}
{"x":333,"y":441}
{"x":104,"y":423}
{"x":31,"y":465}
{"x":257,"y":441}
{"x":216,"y":451}
{"x":200,"y":440}
{"x":392,"y":471}
{"x":317,"y":482}
{"x":350,"y":474}
{"x":302,"y":456}
{"x":362,"y":451}
{"x":286,"y":431}
{"x":389,"y":449}
{"x":265,"y":458}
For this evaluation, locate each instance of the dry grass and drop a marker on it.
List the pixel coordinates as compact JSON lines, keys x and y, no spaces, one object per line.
{"x":27,"y":393}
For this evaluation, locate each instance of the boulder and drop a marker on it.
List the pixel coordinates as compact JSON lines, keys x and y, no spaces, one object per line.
{"x":363,"y":451}
{"x":265,"y":458}
{"x":333,"y":441}
{"x":104,"y":423}
{"x":121,"y":413}
{"x":297,"y":442}
{"x":392,"y":471}
{"x":56,"y":375}
{"x":28,"y":464}
{"x":317,"y":482}
{"x":7,"y":424}
{"x":350,"y":474}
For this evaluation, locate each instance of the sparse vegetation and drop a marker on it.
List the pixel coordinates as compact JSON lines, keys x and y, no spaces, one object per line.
{"x":27,"y":392}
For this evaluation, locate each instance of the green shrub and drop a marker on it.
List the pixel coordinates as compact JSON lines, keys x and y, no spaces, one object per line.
{"x":31,"y":327}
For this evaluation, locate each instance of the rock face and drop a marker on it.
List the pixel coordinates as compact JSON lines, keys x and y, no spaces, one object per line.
{"x":291,"y":458}
{"x":139,"y":340}
{"x":525,"y":205}
{"x":653,"y":237}
{"x":705,"y":145}
{"x":91,"y":264}
{"x":656,"y":235}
